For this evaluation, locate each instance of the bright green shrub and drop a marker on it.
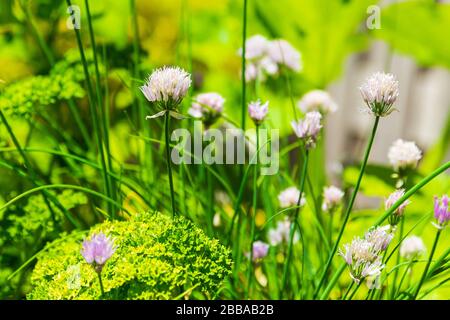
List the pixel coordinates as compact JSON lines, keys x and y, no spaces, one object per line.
{"x":156,"y":258}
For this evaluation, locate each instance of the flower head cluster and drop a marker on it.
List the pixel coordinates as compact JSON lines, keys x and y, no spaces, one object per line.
{"x":363,"y":255}
{"x":395,"y":217}
{"x":380,"y":91}
{"x":317,"y":100}
{"x":332,"y":197}
{"x":441,"y":211}
{"x":264,"y":57}
{"x":412,"y":247}
{"x":289,"y":197}
{"x":260,"y":250}
{"x":308,"y":129}
{"x":207,"y":106}
{"x":258,"y":111}
{"x":167,"y":87}
{"x":404,"y":154}
{"x":98,"y":250}
{"x":281,"y":233}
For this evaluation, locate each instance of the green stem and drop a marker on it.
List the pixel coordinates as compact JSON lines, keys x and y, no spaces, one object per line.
{"x":253,"y":216}
{"x":98,"y":88}
{"x":396,"y":290}
{"x":93,"y":109}
{"x":244,"y":36}
{"x":102,"y":290}
{"x":169,"y":165}
{"x":350,"y":206}
{"x":402,"y":226}
{"x":348,"y":290}
{"x":292,"y":226}
{"x":425,"y":272}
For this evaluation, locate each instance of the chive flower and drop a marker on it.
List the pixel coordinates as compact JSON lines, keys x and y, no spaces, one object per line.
{"x":98,"y":250}
{"x":380,"y":91}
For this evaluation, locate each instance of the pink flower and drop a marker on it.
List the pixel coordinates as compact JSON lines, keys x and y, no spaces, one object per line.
{"x":380,"y":91}
{"x":167,"y":86}
{"x":282,"y":52}
{"x":260,"y":250}
{"x":308,"y":129}
{"x":441,"y":211}
{"x":317,"y":100}
{"x":332,"y":197}
{"x":391,"y":200}
{"x":258,"y":111}
{"x":98,"y":250}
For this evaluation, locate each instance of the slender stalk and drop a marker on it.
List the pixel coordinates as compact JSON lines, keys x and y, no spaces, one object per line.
{"x":356,"y":289}
{"x":93,"y":109}
{"x":292,"y":226}
{"x":348,"y":290}
{"x":396,"y":290}
{"x":253,"y":216}
{"x":169,"y":165}
{"x":102,"y":290}
{"x":98,"y":88}
{"x":425,"y":272}
{"x":244,"y":36}
{"x":402,"y":227}
{"x":210,"y":197}
{"x":350,"y":206}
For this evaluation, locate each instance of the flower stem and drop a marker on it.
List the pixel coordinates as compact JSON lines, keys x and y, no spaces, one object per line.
{"x":244,"y":35}
{"x":101,"y":284}
{"x":425,"y":272}
{"x":292,"y":226}
{"x":350,"y":206}
{"x":402,"y":227}
{"x":169,"y":166}
{"x":253,"y":216}
{"x":93,"y":109}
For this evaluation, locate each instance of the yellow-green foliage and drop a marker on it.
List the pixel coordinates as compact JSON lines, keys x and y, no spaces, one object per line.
{"x":156,"y":258}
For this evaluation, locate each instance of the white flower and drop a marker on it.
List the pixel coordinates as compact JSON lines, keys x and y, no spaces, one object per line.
{"x":332,"y":197}
{"x":282,"y":233}
{"x":363,"y":255}
{"x":391,"y":200}
{"x":412,"y":247}
{"x":260,"y":250}
{"x":308,"y":128}
{"x":380,"y":237}
{"x":282,"y":52}
{"x":317,"y":100}
{"x":207,"y":106}
{"x":255,"y":47}
{"x":258,"y":111}
{"x":372,"y":269}
{"x":167,"y":86}
{"x":275,"y":237}
{"x":380,"y":91}
{"x":404,"y":154}
{"x":289,"y":197}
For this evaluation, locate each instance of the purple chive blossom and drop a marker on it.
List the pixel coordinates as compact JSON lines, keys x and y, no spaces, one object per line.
{"x":260,"y":250}
{"x":308,"y":129}
{"x":98,"y":250}
{"x":441,"y":211}
{"x":391,"y":200}
{"x":258,"y":111}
